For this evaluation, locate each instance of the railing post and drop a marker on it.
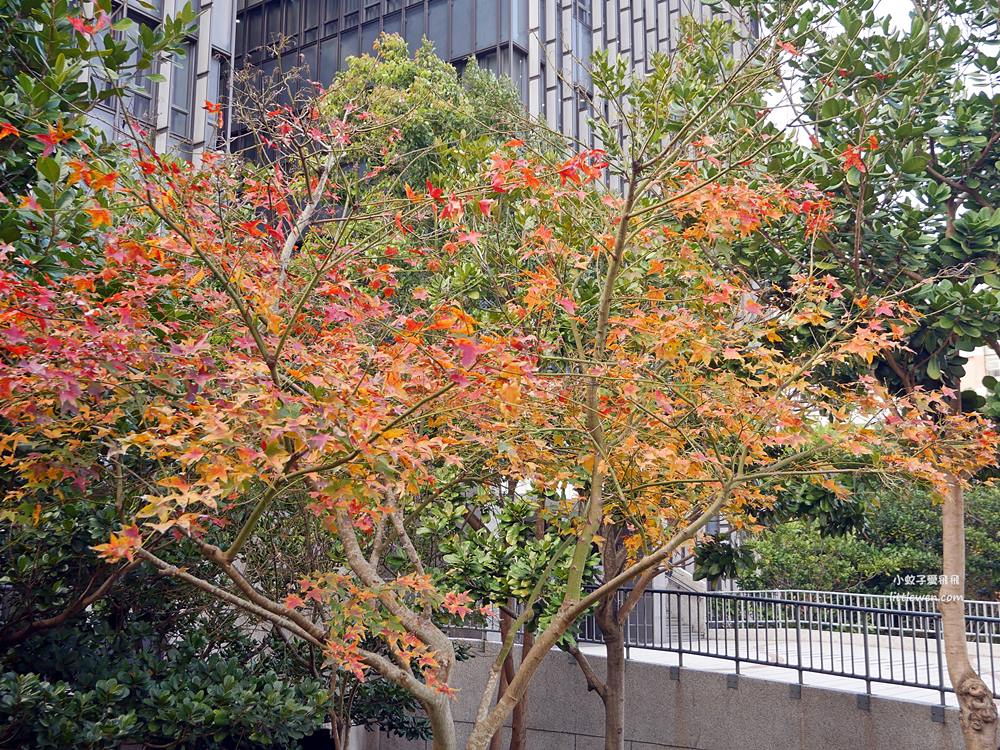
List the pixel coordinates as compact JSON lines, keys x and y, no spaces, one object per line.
{"x":868,"y":676}
{"x":798,"y":643}
{"x":680,"y":640}
{"x":940,"y":657}
{"x":736,"y":633}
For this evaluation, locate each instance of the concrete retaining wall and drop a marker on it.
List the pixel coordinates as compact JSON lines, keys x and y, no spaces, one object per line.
{"x":700,"y":711}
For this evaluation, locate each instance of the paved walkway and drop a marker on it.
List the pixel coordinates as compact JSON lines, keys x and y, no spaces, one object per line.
{"x":890,"y":659}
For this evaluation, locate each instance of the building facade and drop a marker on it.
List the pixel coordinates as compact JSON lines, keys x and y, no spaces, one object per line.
{"x":542,"y":45}
{"x":982,"y":362}
{"x":170,"y":113}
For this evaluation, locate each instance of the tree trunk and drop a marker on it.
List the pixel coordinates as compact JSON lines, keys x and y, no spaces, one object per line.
{"x":519,"y":718}
{"x":507,"y":674}
{"x":614,"y":681}
{"x":977,"y":711}
{"x":442,"y":724}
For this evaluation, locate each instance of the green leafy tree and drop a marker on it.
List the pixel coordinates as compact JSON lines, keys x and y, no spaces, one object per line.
{"x":902,"y":134}
{"x":56,"y":63}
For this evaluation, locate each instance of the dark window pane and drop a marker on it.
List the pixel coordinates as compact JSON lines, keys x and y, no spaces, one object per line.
{"x":327,"y":60}
{"x":272,"y":28}
{"x":351,"y":12}
{"x":461,"y":24}
{"x":180,"y":78}
{"x":488,"y":62}
{"x":520,"y":74}
{"x":414,"y":28}
{"x":310,"y":12}
{"x":291,"y":18}
{"x":349,"y":47}
{"x":393,"y":24}
{"x":437,"y":26}
{"x":254,"y":28}
{"x":267,"y":71}
{"x":486,"y":23}
{"x":369,"y":33}
{"x":241,"y":38}
{"x":307,"y":61}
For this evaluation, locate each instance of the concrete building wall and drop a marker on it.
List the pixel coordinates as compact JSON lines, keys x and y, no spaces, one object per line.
{"x":699,"y":711}
{"x":170,"y":113}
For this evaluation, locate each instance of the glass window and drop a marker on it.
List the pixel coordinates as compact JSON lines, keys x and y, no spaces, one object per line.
{"x":327,"y":60}
{"x":520,"y":74}
{"x":181,"y":91}
{"x":488,"y":61}
{"x":152,"y":8}
{"x":437,"y":26}
{"x":218,"y":80}
{"x":307,"y":61}
{"x":266,"y":79}
{"x":104,"y":118}
{"x":504,"y":20}
{"x":141,"y":92}
{"x":350,"y":46}
{"x":393,"y":24}
{"x":543,"y":94}
{"x":414,"y":28}
{"x":332,"y":15}
{"x":292,"y":19}
{"x":369,"y":33}
{"x":255,"y":28}
{"x":519,"y":22}
{"x":351,"y":12}
{"x":272,"y":26}
{"x":310,"y":21}
{"x":583,"y":50}
{"x":462,"y":14}
{"x":222,"y":24}
{"x":287,"y":85}
{"x":486,"y":23}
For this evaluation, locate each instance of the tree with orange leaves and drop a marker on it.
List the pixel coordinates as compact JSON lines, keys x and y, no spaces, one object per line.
{"x":265,"y":349}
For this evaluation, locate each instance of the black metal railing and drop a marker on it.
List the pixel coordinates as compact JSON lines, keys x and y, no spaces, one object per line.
{"x":895,"y":645}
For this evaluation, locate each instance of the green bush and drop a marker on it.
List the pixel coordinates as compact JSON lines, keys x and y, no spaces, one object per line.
{"x":898,"y":537}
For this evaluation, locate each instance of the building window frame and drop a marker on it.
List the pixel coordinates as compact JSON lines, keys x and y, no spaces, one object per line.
{"x":183,"y":108}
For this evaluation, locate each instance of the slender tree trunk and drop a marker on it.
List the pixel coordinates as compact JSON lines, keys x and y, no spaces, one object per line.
{"x":614,"y":681}
{"x":442,"y":724}
{"x":519,"y":717}
{"x":496,"y":742}
{"x":977,"y":711}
